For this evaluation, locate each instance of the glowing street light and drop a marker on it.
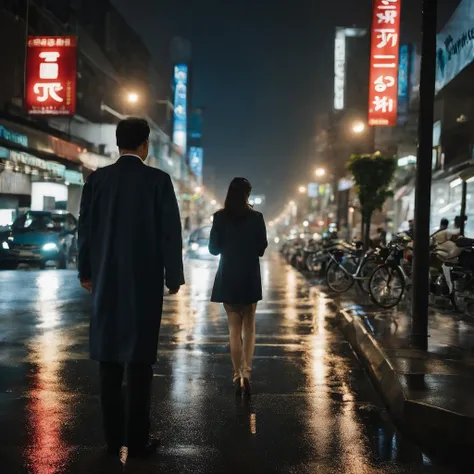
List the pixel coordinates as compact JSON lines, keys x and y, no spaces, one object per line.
{"x":320,"y":172}
{"x":302,"y":189}
{"x":358,"y":127}
{"x":305,"y":223}
{"x":198,"y":189}
{"x":132,"y":97}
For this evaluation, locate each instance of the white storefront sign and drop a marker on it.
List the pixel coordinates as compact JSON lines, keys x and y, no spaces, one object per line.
{"x":455,"y":44}
{"x":339,"y":68}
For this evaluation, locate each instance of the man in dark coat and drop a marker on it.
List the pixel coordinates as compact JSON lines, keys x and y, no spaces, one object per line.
{"x":129,"y":240}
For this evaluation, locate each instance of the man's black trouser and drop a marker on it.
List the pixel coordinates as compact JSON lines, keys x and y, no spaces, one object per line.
{"x":126,"y":413}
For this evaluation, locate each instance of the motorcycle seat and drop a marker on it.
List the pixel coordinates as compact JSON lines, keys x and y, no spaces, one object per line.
{"x":464,"y":242}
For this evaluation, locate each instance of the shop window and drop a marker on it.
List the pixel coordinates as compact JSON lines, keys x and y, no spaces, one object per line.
{"x":49,"y":203}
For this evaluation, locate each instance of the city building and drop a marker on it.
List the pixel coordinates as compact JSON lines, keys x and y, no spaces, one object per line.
{"x":45,"y":159}
{"x":453,"y":129}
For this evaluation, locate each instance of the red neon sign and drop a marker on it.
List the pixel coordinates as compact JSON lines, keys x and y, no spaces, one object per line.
{"x":383,"y":87}
{"x":51,"y":75}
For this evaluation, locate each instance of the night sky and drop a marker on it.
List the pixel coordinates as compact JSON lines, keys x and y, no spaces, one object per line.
{"x":263,"y":73}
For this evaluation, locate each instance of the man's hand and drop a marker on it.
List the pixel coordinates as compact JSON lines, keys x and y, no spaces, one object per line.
{"x":174,"y":291}
{"x":87,"y":285}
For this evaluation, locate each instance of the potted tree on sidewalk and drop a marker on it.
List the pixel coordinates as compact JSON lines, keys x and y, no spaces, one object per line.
{"x":372,"y":175}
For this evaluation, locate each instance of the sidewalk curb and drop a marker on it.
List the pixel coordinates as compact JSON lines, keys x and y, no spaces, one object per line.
{"x":375,"y":360}
{"x":448,"y":434}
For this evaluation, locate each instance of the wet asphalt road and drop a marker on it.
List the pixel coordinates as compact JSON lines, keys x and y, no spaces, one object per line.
{"x":314,"y":409}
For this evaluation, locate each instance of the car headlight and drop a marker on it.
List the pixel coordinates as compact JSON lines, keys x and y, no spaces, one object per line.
{"x":50,"y":247}
{"x":194,"y":246}
{"x":5,"y":246}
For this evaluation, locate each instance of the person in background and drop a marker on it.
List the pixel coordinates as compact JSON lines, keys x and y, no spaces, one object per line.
{"x":129,"y":238}
{"x":411,"y":228}
{"x":443,"y":225}
{"x":445,"y":239}
{"x":239,"y":236}
{"x":380,"y":239}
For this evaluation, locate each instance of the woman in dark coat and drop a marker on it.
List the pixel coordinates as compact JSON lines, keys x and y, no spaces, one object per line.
{"x":239,"y":235}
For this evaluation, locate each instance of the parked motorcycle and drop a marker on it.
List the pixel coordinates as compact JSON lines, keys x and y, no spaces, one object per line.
{"x":459,"y":275}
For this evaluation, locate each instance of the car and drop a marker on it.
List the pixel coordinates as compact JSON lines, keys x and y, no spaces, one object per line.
{"x":198,"y":243}
{"x":41,"y":237}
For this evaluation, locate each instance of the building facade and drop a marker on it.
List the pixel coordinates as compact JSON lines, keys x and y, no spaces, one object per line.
{"x":45,"y":160}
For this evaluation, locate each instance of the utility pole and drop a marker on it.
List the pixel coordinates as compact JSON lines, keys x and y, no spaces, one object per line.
{"x":463,"y":207}
{"x":420,"y":300}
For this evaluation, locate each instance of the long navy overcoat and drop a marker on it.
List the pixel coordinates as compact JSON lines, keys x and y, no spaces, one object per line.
{"x":129,"y":239}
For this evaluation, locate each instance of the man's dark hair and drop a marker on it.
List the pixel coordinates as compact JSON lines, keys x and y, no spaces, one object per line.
{"x":444,"y":222}
{"x":131,"y":133}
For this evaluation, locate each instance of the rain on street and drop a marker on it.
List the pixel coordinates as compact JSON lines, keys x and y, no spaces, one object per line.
{"x":314,"y":409}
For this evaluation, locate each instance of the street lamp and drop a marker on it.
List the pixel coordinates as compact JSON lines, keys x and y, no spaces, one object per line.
{"x":302,"y":189}
{"x":358,"y":127}
{"x":198,"y":189}
{"x":132,"y":97}
{"x":320,"y":172}
{"x":305,"y":223}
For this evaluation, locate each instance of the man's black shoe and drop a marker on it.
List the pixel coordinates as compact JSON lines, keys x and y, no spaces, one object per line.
{"x":144,"y":451}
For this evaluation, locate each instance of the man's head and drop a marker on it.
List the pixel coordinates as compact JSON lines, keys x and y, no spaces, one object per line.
{"x":132,"y":137}
{"x":444,"y":224}
{"x":458,"y":220}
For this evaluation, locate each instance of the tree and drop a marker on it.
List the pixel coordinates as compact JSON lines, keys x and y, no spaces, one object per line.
{"x":373,"y":175}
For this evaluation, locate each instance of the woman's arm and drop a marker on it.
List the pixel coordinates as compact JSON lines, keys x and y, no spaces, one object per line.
{"x":215,"y":240}
{"x":262,"y":236}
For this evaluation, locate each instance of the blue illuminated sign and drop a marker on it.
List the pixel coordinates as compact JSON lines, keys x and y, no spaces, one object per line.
{"x":13,"y":137}
{"x":180,"y":106}
{"x":195,"y":160}
{"x":404,"y":83}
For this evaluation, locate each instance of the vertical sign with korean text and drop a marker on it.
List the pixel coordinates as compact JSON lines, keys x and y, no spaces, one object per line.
{"x":51,"y":75}
{"x":384,"y":57}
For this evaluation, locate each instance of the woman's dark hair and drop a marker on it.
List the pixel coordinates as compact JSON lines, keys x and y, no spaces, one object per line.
{"x":236,"y":202}
{"x":131,"y":133}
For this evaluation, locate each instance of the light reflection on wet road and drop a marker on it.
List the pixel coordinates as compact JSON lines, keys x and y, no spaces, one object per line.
{"x":314,"y":410}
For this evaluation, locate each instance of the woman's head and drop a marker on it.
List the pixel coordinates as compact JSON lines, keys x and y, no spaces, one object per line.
{"x":237,"y":200}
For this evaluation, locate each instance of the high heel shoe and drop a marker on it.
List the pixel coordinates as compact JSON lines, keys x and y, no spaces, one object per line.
{"x":247,"y":386}
{"x":237,"y":387}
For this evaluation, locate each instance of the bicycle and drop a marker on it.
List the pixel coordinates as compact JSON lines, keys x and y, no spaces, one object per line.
{"x":389,"y":281}
{"x":340,"y":276}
